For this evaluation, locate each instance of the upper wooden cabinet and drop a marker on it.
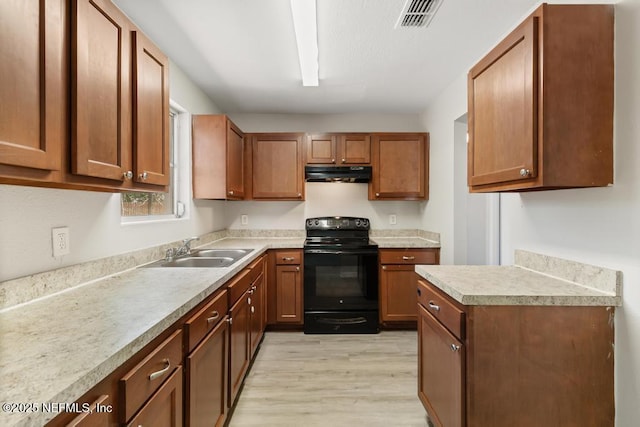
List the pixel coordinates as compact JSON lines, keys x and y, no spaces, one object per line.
{"x":151,"y":153}
{"x":541,"y":104}
{"x":277,"y":166}
{"x":218,"y":158}
{"x":33,"y":87}
{"x":400,"y":166}
{"x":85,"y":54}
{"x":106,"y":142}
{"x":341,"y":149}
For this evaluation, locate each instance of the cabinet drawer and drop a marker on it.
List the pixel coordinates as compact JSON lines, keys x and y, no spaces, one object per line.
{"x":255,"y":268}
{"x":288,"y":257}
{"x":165,"y":407}
{"x":404,"y":256}
{"x":143,"y":380}
{"x":436,"y":303}
{"x":205,"y":320}
{"x":239,"y":285}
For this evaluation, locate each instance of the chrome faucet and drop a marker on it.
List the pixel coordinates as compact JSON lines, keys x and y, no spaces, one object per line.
{"x":185,"y":249}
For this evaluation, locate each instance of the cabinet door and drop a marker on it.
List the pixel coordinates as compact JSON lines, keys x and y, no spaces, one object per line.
{"x":399,"y":167}
{"x":441,"y":359}
{"x":207,"y":379}
{"x":33,"y":85}
{"x":398,"y":301}
{"x":150,"y":112}
{"x":101,"y":94}
{"x":164,"y":408}
{"x":503,"y":110}
{"x":278,"y":171}
{"x":98,"y":415}
{"x":321,"y":149}
{"x":239,"y":345}
{"x":235,"y":162}
{"x":355,"y":149}
{"x":257,"y":313}
{"x":289,"y":294}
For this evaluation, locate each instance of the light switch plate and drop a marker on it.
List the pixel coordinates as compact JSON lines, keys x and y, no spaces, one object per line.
{"x":244,"y":219}
{"x":60,"y":241}
{"x":393,"y":219}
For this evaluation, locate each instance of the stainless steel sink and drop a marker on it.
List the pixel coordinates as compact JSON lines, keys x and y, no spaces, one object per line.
{"x":236,"y":254}
{"x":204,"y":258}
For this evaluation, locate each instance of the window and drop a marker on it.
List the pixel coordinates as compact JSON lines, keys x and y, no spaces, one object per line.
{"x":143,"y":205}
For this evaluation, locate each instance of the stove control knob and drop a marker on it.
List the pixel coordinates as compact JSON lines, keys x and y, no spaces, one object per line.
{"x":358,"y":223}
{"x":309,"y":223}
{"x":365,"y":222}
{"x":317,"y":222}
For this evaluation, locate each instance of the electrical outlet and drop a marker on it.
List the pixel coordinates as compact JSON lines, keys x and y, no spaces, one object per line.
{"x":60,"y":241}
{"x":244,"y":219}
{"x":393,"y":219}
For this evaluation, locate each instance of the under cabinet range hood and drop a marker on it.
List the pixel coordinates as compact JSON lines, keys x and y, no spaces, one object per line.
{"x":337,"y":173}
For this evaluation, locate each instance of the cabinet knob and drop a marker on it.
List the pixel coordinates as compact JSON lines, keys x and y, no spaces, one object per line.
{"x":377,"y":194}
{"x":525,"y":172}
{"x":299,"y":194}
{"x":455,"y":347}
{"x":144,"y":176}
{"x":231,"y":192}
{"x":128,"y":175}
{"x":230,"y":320}
{"x":297,"y":268}
{"x":253,"y":309}
{"x":333,"y":160}
{"x":344,"y":160}
{"x":384,"y":267}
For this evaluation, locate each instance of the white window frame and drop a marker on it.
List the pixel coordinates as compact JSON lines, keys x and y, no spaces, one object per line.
{"x":180,"y":175}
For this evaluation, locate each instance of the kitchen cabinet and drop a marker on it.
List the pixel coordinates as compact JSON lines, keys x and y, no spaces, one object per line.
{"x":97,"y":416}
{"x":398,"y":303}
{"x":106,"y":143}
{"x":540,"y":105}
{"x":285,"y":288}
{"x":86,"y":54}
{"x":218,"y":158}
{"x":33,"y":87}
{"x":246,"y":322}
{"x":164,"y":409}
{"x":207,"y":364}
{"x":257,"y":308}
{"x":146,"y":381}
{"x":277,"y":166}
{"x":400,"y":166}
{"x":342,"y":149}
{"x":552,"y":364}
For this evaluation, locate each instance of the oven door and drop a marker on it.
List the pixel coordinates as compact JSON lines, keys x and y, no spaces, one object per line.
{"x":340,"y":279}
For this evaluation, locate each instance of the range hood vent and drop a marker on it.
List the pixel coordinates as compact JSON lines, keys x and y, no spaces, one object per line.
{"x":418,"y":13}
{"x":337,"y":173}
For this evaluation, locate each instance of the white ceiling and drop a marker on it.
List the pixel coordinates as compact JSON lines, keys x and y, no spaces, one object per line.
{"x":243,"y":53}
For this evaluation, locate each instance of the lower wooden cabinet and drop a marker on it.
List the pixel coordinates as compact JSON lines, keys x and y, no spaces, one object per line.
{"x":503,"y":366}
{"x":98,"y":414}
{"x":207,"y":379}
{"x":239,"y":357}
{"x":257,"y":309}
{"x":164,"y":409}
{"x":398,"y":303}
{"x":285,"y":292}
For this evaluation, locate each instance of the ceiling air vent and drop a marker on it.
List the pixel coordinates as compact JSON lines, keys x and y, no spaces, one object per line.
{"x":418,"y":13}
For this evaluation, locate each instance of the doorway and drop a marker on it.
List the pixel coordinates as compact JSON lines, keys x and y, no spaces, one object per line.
{"x":476,"y":217}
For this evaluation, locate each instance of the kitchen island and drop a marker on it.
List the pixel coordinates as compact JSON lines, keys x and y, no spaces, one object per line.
{"x":528,"y":345}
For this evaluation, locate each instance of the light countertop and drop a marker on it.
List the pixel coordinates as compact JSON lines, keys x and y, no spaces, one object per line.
{"x":405,"y":242}
{"x":57,"y":348}
{"x":553,"y":282}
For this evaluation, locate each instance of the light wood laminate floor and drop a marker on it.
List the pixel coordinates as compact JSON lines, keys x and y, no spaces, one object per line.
{"x":332,"y":380}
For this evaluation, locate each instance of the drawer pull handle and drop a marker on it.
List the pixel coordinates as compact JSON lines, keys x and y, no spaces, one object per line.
{"x":253,"y":309}
{"x":288,"y":258}
{"x":162,"y":371}
{"x":214,"y":316}
{"x":254,"y":287}
{"x":408,"y":258}
{"x":433,"y":306}
{"x":455,"y":347}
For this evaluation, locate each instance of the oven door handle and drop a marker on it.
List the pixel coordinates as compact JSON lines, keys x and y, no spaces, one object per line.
{"x":341,"y":251}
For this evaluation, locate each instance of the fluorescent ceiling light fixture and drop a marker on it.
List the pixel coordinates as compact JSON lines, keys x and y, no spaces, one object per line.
{"x":304,"y":25}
